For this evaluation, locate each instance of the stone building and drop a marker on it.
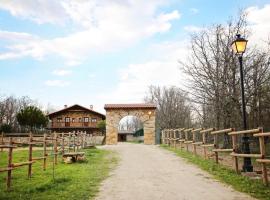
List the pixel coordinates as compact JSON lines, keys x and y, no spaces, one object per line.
{"x":75,"y":118}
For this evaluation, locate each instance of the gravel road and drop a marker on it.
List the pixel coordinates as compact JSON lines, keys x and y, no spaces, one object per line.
{"x":147,"y":172}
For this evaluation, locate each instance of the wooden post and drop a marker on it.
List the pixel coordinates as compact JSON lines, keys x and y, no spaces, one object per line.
{"x":84,"y":138}
{"x":2,"y":140}
{"x":181,"y":137}
{"x":264,"y":170}
{"x":216,"y":146}
{"x":234,"y":143}
{"x":194,"y":140}
{"x":204,"y":148}
{"x":55,"y":148}
{"x":10,"y":150}
{"x":44,"y":151}
{"x":69,"y":142}
{"x":63,"y":145}
{"x":74,"y":142}
{"x":30,"y":154}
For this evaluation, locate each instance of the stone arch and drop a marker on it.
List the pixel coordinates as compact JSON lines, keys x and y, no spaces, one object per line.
{"x":115,"y":112}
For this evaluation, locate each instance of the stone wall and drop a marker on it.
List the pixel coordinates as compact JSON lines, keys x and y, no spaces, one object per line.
{"x":113,"y":117}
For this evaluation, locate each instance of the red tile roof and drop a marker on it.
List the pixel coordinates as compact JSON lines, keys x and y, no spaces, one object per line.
{"x":130,"y":106}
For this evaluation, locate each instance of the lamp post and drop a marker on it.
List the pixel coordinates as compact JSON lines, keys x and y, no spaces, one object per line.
{"x":239,"y":48}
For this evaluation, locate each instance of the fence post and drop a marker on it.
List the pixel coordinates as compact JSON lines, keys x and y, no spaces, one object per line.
{"x":63,"y":145}
{"x":44,"y":151}
{"x":2,"y":140}
{"x":234,"y":143}
{"x":10,"y":151}
{"x":216,"y":146}
{"x":264,"y":170}
{"x":55,"y":148}
{"x":30,"y":154}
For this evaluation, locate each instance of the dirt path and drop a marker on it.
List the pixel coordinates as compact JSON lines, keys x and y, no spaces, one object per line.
{"x":149,"y":172}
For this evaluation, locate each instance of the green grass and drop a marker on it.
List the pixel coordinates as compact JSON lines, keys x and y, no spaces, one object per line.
{"x":72,"y":181}
{"x":241,"y":183}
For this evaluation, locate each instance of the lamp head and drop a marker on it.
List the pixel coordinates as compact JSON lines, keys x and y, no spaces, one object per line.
{"x":239,"y":45}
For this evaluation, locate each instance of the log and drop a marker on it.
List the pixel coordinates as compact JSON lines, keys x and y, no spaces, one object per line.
{"x":222,"y":150}
{"x":246,"y":155}
{"x":22,"y":164}
{"x":207,"y":145}
{"x":7,"y":146}
{"x":197,"y":143}
{"x":257,"y":130}
{"x":207,"y":130}
{"x":262,"y":134}
{"x":28,"y":143}
{"x":181,"y":140}
{"x":188,"y":142}
{"x":39,"y":158}
{"x":6,"y":169}
{"x":195,"y":130}
{"x":222,"y":131}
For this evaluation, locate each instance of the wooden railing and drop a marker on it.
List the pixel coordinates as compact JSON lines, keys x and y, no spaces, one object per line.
{"x":61,"y":143}
{"x":169,"y":137}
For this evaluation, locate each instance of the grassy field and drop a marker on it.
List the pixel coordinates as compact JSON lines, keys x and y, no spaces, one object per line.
{"x":241,"y":183}
{"x":72,"y":181}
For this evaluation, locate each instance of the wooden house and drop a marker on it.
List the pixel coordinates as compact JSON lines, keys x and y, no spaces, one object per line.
{"x":75,"y":118}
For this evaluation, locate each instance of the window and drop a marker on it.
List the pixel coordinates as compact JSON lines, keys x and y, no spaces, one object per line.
{"x":94,"y":120}
{"x":80,"y":119}
{"x":73,"y":120}
{"x":86,"y":119}
{"x":67,"y":119}
{"x":59,"y":119}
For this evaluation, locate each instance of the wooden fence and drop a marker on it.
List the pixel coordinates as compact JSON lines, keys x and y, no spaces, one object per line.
{"x":208,"y":139}
{"x":62,"y":144}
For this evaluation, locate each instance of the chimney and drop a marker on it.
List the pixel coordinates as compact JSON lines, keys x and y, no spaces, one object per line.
{"x":65,"y":106}
{"x":91,"y":107}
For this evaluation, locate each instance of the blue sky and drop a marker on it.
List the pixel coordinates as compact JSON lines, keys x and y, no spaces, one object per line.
{"x":104,"y":51}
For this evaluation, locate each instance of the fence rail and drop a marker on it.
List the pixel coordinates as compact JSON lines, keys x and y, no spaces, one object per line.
{"x":208,"y":139}
{"x":62,"y":143}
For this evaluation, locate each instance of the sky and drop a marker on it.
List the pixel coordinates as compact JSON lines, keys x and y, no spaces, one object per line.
{"x":105,"y":51}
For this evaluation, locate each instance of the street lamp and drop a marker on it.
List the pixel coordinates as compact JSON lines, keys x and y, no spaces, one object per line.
{"x":239,"y":48}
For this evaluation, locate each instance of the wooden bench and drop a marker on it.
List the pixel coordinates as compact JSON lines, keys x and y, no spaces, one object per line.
{"x":73,"y":155}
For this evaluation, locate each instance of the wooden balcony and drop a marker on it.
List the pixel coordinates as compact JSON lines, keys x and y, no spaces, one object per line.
{"x":72,"y":125}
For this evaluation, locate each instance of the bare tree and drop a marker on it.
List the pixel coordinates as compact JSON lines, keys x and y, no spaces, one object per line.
{"x":173,"y":107}
{"x":213,"y":74}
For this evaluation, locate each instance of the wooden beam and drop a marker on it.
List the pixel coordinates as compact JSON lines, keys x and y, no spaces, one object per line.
{"x":246,"y":131}
{"x":207,"y":130}
{"x":222,"y":150}
{"x":222,"y":131}
{"x":246,"y":155}
{"x":262,"y":134}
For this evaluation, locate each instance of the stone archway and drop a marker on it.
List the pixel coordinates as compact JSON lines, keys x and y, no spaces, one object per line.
{"x":115,"y":112}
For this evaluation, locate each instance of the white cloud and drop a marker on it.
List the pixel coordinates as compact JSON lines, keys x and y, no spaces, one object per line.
{"x":62,"y":72}
{"x":136,"y":78}
{"x":57,"y":83}
{"x":49,"y":11}
{"x":104,"y":26}
{"x":259,"y":22}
